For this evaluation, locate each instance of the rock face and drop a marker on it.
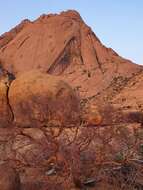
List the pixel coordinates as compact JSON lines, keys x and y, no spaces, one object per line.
{"x":6,"y":116}
{"x":9,"y":179}
{"x":64,"y":45}
{"x":37,"y":98}
{"x":9,"y":36}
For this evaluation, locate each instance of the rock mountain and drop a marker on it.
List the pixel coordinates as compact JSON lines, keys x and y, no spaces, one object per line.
{"x":62,"y":44}
{"x":44,"y":135}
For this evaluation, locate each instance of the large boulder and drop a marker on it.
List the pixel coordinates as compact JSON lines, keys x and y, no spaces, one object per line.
{"x":37,"y":98}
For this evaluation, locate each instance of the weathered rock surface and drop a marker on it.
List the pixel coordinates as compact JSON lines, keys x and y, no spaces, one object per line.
{"x":9,"y":179}
{"x":9,"y":36}
{"x":64,"y":45}
{"x":61,"y":45}
{"x":30,"y":151}
{"x":37,"y":99}
{"x":6,"y":115}
{"x":130,"y":98}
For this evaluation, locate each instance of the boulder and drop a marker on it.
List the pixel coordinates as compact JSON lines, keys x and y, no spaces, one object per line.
{"x":92,"y":116}
{"x":37,"y":99}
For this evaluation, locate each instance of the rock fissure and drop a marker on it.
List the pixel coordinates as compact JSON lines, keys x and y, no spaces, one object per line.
{"x":63,"y":59}
{"x":21,"y":44}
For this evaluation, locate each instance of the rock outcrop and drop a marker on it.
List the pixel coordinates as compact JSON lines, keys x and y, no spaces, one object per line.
{"x":92,"y":116}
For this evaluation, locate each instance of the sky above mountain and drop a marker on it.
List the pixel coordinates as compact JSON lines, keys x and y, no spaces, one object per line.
{"x":118,"y":23}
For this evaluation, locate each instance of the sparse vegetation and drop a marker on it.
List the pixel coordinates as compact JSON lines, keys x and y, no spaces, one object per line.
{"x":108,"y":156}
{"x":136,"y":117}
{"x":52,"y":138}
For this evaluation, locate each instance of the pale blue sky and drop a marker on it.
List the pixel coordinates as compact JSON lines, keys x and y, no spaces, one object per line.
{"x":118,"y":23}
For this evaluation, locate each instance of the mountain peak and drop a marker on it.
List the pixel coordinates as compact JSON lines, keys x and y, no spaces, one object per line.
{"x":72,"y":14}
{"x":62,"y":44}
